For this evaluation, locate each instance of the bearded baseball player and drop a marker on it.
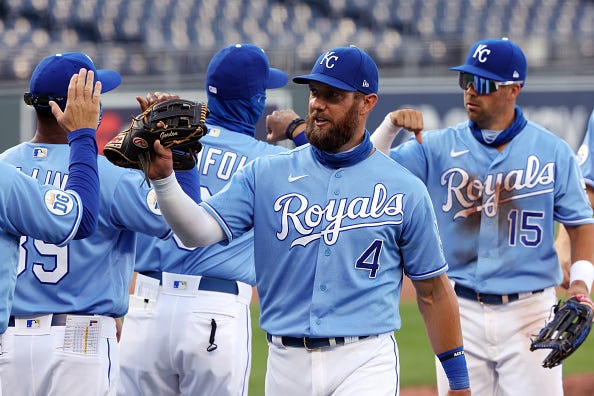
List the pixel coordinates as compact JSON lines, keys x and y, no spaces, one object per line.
{"x":62,"y":336}
{"x":200,"y":311}
{"x":46,"y":212}
{"x":499,"y":182}
{"x":336,"y":223}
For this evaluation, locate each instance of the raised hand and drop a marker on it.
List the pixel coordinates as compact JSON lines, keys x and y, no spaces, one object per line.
{"x":409,"y":119}
{"x":83,"y":103}
{"x":154,"y":97}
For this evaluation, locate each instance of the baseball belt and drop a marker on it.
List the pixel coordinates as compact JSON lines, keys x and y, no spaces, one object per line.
{"x":314,"y":343}
{"x":492,"y":299}
{"x":207,"y":283}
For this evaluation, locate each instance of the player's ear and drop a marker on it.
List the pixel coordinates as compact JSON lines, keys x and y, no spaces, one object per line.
{"x":369,"y":102}
{"x":513,"y":91}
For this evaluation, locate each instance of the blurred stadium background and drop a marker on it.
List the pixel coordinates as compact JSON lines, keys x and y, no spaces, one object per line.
{"x":175,"y":38}
{"x":166,"y":45}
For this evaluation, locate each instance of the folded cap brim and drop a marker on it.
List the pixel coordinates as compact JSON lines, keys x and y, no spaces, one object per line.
{"x":324,"y":79}
{"x":110,"y":79}
{"x":477,"y":71}
{"x":276,"y":78}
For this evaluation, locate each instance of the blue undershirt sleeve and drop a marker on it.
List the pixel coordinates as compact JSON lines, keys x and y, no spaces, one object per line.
{"x":83,"y":177}
{"x":190,"y":182}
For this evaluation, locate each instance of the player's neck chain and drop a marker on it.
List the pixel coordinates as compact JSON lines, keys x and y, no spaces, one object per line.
{"x":349,"y":158}
{"x":504,"y":136}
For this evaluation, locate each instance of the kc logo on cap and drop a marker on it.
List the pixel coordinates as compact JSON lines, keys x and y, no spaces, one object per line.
{"x":347,"y":68}
{"x":329,"y":59}
{"x":481,"y":53}
{"x":497,"y":60}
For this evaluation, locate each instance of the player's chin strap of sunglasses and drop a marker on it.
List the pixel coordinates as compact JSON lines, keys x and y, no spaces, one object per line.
{"x":482,"y":85}
{"x":41,"y":100}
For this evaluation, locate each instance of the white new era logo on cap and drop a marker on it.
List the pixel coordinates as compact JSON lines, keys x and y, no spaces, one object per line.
{"x":516,"y":74}
{"x":365,"y":84}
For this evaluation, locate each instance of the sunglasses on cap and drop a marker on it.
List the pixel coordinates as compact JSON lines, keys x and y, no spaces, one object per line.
{"x":41,"y":100}
{"x":481,"y":85}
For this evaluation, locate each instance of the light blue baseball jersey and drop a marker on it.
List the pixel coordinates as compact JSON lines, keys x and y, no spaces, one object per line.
{"x":223,"y":153}
{"x":26,"y":207}
{"x":497,"y":210}
{"x":585,"y":156}
{"x":90,"y":275}
{"x":331,"y":245}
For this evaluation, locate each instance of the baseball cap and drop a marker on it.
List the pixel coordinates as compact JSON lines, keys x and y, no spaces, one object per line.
{"x":497,"y":60}
{"x":346,"y":68}
{"x":52,"y":75}
{"x":241,"y":71}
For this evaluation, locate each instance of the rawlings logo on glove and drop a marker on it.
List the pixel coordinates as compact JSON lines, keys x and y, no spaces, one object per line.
{"x":567,"y":330}
{"x":177,"y":123}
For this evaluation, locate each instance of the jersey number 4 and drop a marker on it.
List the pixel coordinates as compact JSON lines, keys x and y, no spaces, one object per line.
{"x":369,"y":259}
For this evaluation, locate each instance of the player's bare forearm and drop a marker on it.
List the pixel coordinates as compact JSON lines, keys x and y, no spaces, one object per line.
{"x":563,"y":247}
{"x":439,"y":307}
{"x":581,"y":238}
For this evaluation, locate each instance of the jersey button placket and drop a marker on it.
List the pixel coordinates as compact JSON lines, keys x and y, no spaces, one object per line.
{"x":337,"y":175}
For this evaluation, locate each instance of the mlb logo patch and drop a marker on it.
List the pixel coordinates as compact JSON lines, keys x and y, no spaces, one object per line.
{"x":39,"y":152}
{"x":180,"y":285}
{"x":33,"y":323}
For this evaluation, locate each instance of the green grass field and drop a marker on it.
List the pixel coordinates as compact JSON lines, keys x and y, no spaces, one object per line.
{"x":415,"y":353}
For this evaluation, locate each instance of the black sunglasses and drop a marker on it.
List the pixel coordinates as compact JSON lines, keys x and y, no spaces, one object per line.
{"x":41,"y":100}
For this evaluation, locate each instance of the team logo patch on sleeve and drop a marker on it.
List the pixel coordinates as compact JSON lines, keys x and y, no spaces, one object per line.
{"x":151,"y":201}
{"x":58,"y":202}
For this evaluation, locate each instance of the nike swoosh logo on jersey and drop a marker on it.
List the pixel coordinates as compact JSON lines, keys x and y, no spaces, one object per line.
{"x":455,"y":154}
{"x":295,"y":178}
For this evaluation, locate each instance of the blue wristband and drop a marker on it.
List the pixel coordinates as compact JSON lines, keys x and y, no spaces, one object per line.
{"x":300,"y":139}
{"x":454,"y":365}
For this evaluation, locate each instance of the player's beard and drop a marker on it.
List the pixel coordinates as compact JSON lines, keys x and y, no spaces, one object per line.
{"x":333,"y":137}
